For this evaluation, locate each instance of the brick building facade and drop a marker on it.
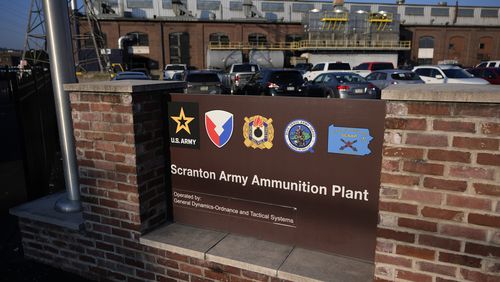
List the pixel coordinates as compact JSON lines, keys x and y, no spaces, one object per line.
{"x":198,"y":32}
{"x":467,"y":44}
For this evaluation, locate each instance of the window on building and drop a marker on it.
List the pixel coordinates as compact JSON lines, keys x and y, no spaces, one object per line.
{"x":271,"y":17}
{"x":257,"y":38}
{"x":355,"y":8}
{"x":209,"y":5}
{"x":489,"y":13}
{"x":179,"y":47}
{"x":293,"y":37}
{"x":414,"y":11}
{"x":272,"y":7}
{"x":426,"y":42}
{"x":465,"y":13}
{"x":390,"y":9}
{"x":219,"y":37}
{"x":451,"y":46}
{"x":139,"y":3}
{"x":89,"y":43}
{"x":440,"y":12}
{"x":327,"y":7}
{"x":235,"y":6}
{"x":112,"y":3}
{"x":302,"y":7}
{"x":486,"y":49}
{"x":167,"y":4}
{"x":139,"y":39}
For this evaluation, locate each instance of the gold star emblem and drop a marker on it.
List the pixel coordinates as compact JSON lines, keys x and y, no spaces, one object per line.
{"x":182,"y":121}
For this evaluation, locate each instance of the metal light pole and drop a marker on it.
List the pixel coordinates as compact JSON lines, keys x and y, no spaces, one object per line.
{"x":62,"y":68}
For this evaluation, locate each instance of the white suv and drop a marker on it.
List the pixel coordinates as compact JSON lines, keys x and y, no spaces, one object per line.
{"x":325,"y":67}
{"x":172,"y":69}
{"x":447,"y":74}
{"x":489,"y":64}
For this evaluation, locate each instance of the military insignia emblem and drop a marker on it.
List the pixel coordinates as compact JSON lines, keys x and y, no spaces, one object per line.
{"x":258,"y":132}
{"x":350,"y":141}
{"x":219,"y":125}
{"x":300,"y":136}
{"x":183,"y":124}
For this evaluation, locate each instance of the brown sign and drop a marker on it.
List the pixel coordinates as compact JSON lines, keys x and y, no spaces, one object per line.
{"x":291,"y":170}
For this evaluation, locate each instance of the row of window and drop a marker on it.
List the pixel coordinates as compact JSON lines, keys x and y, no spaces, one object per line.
{"x":142,"y":39}
{"x":428,"y":42}
{"x":445,"y":12}
{"x":304,"y":7}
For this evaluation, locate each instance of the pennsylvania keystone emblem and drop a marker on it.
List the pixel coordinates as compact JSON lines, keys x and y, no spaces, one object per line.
{"x":258,"y":132}
{"x":347,"y":140}
{"x":219,"y":125}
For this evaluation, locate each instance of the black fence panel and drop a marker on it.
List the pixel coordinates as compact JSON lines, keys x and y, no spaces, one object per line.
{"x":28,"y":128}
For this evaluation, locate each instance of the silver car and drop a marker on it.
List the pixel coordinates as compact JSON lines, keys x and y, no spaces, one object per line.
{"x":341,"y":85}
{"x":385,"y":78}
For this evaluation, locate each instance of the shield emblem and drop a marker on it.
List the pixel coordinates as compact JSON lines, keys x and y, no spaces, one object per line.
{"x":219,"y":125}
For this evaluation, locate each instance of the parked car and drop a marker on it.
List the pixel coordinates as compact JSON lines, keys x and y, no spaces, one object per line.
{"x":489,"y":64}
{"x":385,"y":78}
{"x":325,"y":67}
{"x":492,"y":75}
{"x":239,"y":74}
{"x":171,"y":69}
{"x":143,"y":70}
{"x":447,"y":74}
{"x":341,"y":85}
{"x":275,"y":82}
{"x":303,"y":67}
{"x":131,"y":75}
{"x":204,"y":82}
{"x":365,"y":69}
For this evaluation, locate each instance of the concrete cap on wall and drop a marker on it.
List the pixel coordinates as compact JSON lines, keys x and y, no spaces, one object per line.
{"x":124,"y":86}
{"x":468,"y":93}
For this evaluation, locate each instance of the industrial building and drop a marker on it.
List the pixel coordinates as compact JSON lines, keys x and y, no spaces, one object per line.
{"x":215,"y":33}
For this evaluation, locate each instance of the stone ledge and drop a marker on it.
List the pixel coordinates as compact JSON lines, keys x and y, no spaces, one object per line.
{"x":176,"y":238}
{"x":42,"y":210}
{"x":272,"y":259}
{"x":123,"y":86}
{"x":250,"y":254}
{"x":443,"y":93}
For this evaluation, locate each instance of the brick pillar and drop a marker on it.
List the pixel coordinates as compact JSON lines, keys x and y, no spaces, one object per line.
{"x":439,"y":199}
{"x":121,"y":157}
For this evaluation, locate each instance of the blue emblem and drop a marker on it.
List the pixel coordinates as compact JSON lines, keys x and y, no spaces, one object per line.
{"x":347,"y":140}
{"x":300,"y":136}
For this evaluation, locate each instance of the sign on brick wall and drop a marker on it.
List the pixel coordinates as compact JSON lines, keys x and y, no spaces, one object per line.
{"x":290,"y":170}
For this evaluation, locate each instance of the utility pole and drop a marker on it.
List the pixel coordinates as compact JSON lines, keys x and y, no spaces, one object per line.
{"x":94,"y":35}
{"x":35,"y":42}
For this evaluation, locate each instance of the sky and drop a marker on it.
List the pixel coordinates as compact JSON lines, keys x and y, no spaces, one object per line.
{"x":14,"y":16}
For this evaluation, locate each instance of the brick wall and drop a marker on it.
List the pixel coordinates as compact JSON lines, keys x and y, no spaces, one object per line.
{"x":439,"y":198}
{"x":109,"y":258}
{"x":120,"y":152}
